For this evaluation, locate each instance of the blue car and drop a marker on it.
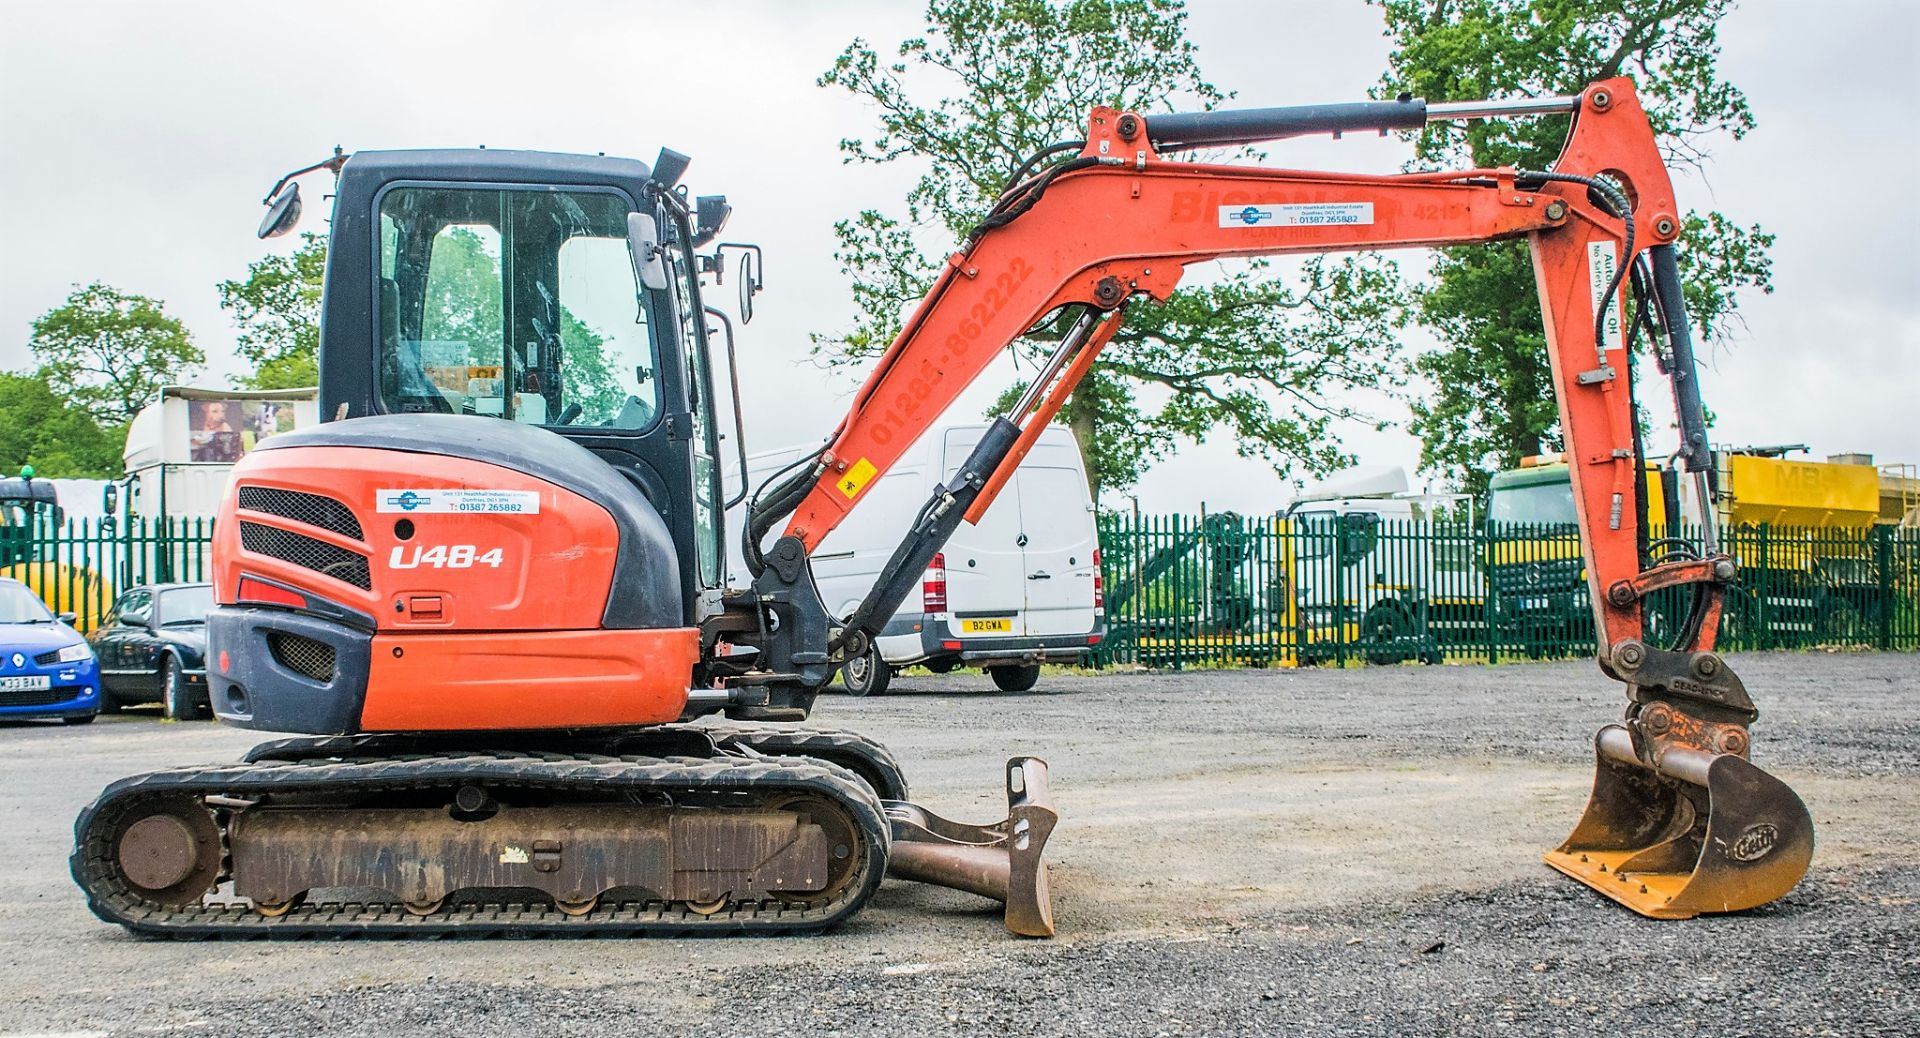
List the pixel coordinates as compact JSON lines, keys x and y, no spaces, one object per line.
{"x":46,"y":668}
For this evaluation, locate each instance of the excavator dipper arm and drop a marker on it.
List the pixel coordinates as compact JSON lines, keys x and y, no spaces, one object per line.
{"x":1121,"y":221}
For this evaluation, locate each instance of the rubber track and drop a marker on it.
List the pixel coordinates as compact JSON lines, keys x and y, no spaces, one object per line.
{"x":874,"y":761}
{"x":113,"y":900}
{"x":829,"y":744}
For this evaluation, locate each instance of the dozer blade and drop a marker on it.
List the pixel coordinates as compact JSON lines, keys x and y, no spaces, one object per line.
{"x":1001,"y":861}
{"x":1704,"y":832}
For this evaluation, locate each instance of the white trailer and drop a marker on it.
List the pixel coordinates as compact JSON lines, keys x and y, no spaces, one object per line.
{"x":181,"y":448}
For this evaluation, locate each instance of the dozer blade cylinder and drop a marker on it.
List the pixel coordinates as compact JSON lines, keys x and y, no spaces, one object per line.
{"x":1703,"y":832}
{"x":1003,"y":861}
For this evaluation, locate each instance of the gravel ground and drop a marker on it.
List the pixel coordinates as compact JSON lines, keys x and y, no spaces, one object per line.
{"x":1340,"y":852}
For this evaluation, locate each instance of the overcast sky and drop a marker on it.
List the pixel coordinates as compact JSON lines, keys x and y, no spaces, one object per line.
{"x":136,"y":140}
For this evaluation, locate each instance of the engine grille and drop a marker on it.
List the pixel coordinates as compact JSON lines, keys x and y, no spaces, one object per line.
{"x":48,"y":658}
{"x":1542,"y":575}
{"x":312,"y":509}
{"x":304,"y":551}
{"x":302,"y":655}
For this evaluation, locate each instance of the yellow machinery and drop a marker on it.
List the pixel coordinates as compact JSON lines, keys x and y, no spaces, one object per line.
{"x":1796,"y":526}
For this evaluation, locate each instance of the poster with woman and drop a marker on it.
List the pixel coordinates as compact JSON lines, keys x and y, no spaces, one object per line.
{"x":223,"y":430}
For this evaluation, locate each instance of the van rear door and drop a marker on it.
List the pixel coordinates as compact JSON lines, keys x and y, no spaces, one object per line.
{"x":986,"y":574}
{"x":1058,"y":538}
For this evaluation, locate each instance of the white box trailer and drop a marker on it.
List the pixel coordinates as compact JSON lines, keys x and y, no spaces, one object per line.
{"x":1020,"y":589}
{"x":181,"y":448}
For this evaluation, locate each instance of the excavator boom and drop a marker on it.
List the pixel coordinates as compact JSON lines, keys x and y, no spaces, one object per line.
{"x":1122,"y":221}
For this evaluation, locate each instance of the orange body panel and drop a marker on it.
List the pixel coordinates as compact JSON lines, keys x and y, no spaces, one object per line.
{"x":553,"y":569}
{"x":554,"y":679}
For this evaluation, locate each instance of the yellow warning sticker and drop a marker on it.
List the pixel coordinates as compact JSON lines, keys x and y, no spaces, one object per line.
{"x":856,"y":477}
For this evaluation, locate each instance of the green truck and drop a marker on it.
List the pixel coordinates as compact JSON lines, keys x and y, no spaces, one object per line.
{"x":1802,"y":531}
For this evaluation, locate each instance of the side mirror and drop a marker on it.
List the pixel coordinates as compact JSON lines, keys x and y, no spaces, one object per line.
{"x":283,"y":213}
{"x":643,"y":246}
{"x":749,"y":284}
{"x":69,"y":618}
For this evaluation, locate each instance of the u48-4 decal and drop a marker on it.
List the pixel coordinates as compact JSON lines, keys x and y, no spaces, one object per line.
{"x":444,"y":556}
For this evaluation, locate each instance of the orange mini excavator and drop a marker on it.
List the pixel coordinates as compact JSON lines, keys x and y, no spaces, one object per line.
{"x":491,"y":589}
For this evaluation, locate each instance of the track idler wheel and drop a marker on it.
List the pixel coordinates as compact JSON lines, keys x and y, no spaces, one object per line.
{"x":1701,"y":832}
{"x":1002,"y":861}
{"x":170,"y":851}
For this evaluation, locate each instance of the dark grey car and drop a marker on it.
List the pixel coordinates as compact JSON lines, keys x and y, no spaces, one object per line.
{"x":152,"y":648}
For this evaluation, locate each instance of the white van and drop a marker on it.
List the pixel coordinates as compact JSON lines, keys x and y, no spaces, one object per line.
{"x":1020,"y":589}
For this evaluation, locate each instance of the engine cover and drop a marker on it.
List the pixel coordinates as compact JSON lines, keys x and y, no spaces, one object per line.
{"x":441,"y":572}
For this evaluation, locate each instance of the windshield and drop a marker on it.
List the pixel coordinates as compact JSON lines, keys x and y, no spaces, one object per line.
{"x":1352,"y":533}
{"x":186,"y":604}
{"x":19,"y":606}
{"x":1545,"y":503}
{"x":515,"y":304}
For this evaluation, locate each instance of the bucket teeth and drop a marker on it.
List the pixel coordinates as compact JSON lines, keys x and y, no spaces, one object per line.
{"x":1002,"y":861}
{"x":1699,"y":833}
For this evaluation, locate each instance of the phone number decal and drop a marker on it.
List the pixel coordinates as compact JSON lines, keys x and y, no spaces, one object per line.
{"x":1313,"y":214}
{"x":469,"y":502}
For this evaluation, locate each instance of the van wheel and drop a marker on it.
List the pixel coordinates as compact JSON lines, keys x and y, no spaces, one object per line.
{"x":1015,"y":679}
{"x":866,"y":674}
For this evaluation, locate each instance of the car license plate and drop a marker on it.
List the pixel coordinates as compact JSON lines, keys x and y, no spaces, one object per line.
{"x":987,"y":625}
{"x":25,"y":683}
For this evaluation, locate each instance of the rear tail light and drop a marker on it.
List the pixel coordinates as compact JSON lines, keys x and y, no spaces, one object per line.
{"x":1099,"y":584}
{"x":933,"y":587}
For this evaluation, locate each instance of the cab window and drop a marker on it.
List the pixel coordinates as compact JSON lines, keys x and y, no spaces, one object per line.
{"x":515,"y":304}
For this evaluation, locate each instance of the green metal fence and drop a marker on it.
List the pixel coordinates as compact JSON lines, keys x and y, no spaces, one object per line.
{"x":80,"y":565}
{"x":1323,"y":588}
{"x":1223,"y":589}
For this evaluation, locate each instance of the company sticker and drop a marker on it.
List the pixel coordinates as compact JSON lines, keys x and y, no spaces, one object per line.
{"x":1756,"y":842}
{"x":469,"y":502}
{"x":1603,"y":258}
{"x":856,"y":477}
{"x":1311,"y":214}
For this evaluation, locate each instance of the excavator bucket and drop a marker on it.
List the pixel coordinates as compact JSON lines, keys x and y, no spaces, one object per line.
{"x":1703,"y":832}
{"x":1001,"y":861}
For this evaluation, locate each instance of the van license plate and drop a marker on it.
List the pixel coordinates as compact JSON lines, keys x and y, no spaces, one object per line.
{"x":26,"y":683}
{"x":988,"y":625}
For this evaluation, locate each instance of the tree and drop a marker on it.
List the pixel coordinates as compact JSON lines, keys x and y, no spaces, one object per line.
{"x":277,"y":308}
{"x":463,"y":304}
{"x":38,"y":428}
{"x":1248,"y":354}
{"x":109,"y":352}
{"x":1492,"y":401}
